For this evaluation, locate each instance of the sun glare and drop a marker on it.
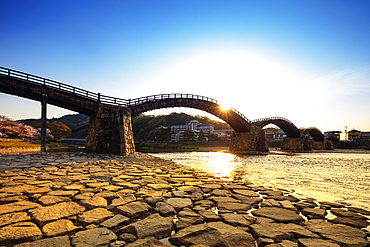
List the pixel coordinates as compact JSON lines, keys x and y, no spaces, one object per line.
{"x":238,"y":76}
{"x":224,"y":107}
{"x":220,"y":164}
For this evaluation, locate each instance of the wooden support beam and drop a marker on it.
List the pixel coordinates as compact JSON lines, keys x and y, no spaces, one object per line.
{"x":43,"y":124}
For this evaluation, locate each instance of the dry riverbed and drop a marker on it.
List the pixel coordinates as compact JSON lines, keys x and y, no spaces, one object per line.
{"x":139,"y":200}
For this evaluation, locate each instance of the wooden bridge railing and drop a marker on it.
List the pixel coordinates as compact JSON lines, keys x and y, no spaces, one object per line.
{"x":273,"y":118}
{"x":40,"y":81}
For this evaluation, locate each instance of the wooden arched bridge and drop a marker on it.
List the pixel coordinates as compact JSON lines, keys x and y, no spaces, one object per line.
{"x":110,"y":128}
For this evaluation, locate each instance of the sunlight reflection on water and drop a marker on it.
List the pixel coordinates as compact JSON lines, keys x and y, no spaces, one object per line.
{"x":324,"y":176}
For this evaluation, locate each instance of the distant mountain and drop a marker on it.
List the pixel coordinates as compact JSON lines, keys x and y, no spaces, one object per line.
{"x":78,"y":123}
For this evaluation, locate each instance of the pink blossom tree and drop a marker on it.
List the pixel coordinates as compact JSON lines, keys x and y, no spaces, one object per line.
{"x":16,"y":129}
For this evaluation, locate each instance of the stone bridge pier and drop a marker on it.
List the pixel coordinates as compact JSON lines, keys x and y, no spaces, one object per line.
{"x":305,"y":143}
{"x":110,"y":131}
{"x":252,"y":142}
{"x":302,"y":143}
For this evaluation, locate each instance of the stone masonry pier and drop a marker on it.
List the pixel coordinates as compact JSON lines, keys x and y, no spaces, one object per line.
{"x":137,"y":200}
{"x":252,"y":142}
{"x":110,"y":131}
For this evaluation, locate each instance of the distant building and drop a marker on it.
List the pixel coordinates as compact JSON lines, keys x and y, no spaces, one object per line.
{"x":334,"y":134}
{"x":177,"y":128}
{"x":354,"y":134}
{"x":273,"y":134}
{"x":200,"y":132}
{"x":365,"y":135}
{"x":223,"y":135}
{"x":358,"y":135}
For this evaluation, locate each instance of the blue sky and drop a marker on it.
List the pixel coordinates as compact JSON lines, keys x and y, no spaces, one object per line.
{"x":308,"y":61}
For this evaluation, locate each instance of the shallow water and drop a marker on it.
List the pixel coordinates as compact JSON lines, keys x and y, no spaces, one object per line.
{"x":335,"y":177}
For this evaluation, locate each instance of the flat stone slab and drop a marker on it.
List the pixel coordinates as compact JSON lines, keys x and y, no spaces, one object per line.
{"x":21,"y":231}
{"x":342,"y":234}
{"x":164,"y":209}
{"x":355,"y":222}
{"x":210,"y":186}
{"x":238,"y":219}
{"x":115,"y":221}
{"x":179,"y":203}
{"x":133,"y":209}
{"x":314,"y":213}
{"x":48,"y":200}
{"x":153,"y":225}
{"x":359,"y":210}
{"x":121,"y":201}
{"x":94,"y":202}
{"x":345,"y":213}
{"x":17,"y":206}
{"x":48,"y":242}
{"x":93,"y":237}
{"x":6,"y":219}
{"x":213,"y":234}
{"x":59,"y":227}
{"x":281,"y":215}
{"x":316,"y":242}
{"x":279,"y":231}
{"x":56,"y":211}
{"x":231,"y":206}
{"x":149,"y":241}
{"x":19,"y":188}
{"x":249,"y":193}
{"x":95,"y":216}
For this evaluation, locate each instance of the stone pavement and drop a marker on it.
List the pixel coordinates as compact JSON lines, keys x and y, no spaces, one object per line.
{"x":85,"y":200}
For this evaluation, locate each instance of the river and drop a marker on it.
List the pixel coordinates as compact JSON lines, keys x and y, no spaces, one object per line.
{"x":336,"y":177}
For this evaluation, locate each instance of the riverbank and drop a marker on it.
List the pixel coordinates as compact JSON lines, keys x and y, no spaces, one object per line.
{"x":77,"y":200}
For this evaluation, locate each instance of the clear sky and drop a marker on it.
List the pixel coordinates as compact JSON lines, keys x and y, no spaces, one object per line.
{"x":307,"y":60}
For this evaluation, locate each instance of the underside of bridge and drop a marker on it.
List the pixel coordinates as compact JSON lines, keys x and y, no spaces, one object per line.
{"x":237,"y":122}
{"x":288,"y":127}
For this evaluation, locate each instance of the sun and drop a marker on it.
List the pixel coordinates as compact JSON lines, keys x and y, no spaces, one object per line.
{"x":224,"y":107}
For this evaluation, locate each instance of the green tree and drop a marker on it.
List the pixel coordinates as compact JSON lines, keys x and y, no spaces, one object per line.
{"x":59,"y":130}
{"x":188,"y":135}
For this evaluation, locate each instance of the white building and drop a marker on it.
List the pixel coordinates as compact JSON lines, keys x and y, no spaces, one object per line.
{"x":177,"y":128}
{"x":274,"y":135}
{"x":201,"y":132}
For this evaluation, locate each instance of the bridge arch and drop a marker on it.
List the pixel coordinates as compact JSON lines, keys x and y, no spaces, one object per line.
{"x":314,"y":132}
{"x":287,"y":126}
{"x":235,"y":119}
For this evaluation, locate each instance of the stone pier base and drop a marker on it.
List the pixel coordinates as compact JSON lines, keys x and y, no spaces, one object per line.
{"x":252,"y":142}
{"x":318,"y":145}
{"x":110,"y":131}
{"x":327,"y":144}
{"x":303,"y":143}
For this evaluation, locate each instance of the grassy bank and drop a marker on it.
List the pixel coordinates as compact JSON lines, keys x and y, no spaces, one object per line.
{"x":5,"y":142}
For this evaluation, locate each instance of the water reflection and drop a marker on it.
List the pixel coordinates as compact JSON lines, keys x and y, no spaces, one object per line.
{"x":325,"y":176}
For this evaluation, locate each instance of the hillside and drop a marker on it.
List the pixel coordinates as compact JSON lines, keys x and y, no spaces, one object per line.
{"x":157,"y":128}
{"x":78,"y":123}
